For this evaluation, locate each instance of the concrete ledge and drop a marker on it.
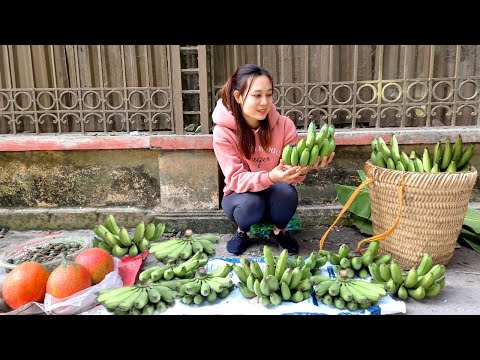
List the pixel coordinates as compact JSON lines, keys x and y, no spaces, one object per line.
{"x":199,"y":221}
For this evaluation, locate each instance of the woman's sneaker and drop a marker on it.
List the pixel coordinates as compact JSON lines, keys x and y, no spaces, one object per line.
{"x":238,"y":243}
{"x":287,"y":241}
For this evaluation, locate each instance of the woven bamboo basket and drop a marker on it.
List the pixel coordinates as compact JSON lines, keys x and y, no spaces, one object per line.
{"x":432,"y":212}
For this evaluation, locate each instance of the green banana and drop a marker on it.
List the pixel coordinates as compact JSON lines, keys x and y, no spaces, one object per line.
{"x":437,"y":153}
{"x":149,"y":231}
{"x":404,"y":159}
{"x":245,"y":291}
{"x":281,"y":264}
{"x":395,"y":151}
{"x":304,"y":157}
{"x":452,"y":167}
{"x":427,"y":165}
{"x":425,"y":264}
{"x":433,"y":290}
{"x":294,"y":156}
{"x":399,"y":166}
{"x":411,"y":279}
{"x":111,"y":225}
{"x":457,"y":149}
{"x":396,"y":272}
{"x":374,"y":144}
{"x":159,"y":229}
{"x":416,"y":294}
{"x":313,"y":155}
{"x":447,"y":155}
{"x":139,"y":232}
{"x":466,"y":156}
{"x":418,"y":165}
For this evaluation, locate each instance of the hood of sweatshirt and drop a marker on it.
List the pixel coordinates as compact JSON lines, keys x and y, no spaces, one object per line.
{"x":223,"y":117}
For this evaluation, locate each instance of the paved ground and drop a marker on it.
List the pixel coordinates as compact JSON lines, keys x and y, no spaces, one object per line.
{"x":461,"y":295}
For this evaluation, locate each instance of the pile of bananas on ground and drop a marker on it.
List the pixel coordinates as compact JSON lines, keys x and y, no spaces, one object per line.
{"x":343,"y":291}
{"x":206,"y":286}
{"x":181,"y":249}
{"x":173,"y":270}
{"x":137,"y":299}
{"x":298,"y":261}
{"x":118,"y":242}
{"x":357,"y":265}
{"x":306,"y":152}
{"x":277,"y":282}
{"x":425,"y":281}
{"x":445,"y":158}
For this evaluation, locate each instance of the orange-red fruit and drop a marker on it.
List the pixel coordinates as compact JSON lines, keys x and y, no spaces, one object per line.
{"x":67,"y":279}
{"x":97,"y":261}
{"x":27,"y":282}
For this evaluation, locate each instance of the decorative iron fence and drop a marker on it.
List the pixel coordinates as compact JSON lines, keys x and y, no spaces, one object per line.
{"x":166,"y":89}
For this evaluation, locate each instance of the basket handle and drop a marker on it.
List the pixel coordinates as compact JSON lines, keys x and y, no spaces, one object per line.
{"x":350,"y":201}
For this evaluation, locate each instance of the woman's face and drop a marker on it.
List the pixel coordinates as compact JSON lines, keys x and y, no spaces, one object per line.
{"x":258,"y":102}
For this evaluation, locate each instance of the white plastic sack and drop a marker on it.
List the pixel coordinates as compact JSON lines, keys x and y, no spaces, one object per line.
{"x":85,"y":299}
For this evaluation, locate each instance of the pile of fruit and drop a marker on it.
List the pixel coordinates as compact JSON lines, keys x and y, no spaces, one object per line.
{"x":277,"y":282}
{"x":344,"y":292}
{"x":118,"y":242}
{"x":307,"y":152}
{"x":425,"y":281}
{"x":446,"y":157}
{"x":181,"y":249}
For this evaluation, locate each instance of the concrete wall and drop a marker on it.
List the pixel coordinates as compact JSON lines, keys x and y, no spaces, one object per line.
{"x":67,"y":189}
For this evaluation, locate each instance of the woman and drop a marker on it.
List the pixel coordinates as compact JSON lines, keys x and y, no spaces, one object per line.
{"x":248,"y":140}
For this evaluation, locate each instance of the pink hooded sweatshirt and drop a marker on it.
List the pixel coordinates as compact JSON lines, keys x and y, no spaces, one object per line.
{"x":243,"y":175}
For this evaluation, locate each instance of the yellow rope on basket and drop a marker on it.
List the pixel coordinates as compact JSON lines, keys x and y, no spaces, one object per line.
{"x":350,"y":201}
{"x":345,"y":208}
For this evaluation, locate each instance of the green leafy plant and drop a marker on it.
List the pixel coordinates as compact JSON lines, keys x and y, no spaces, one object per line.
{"x":361,"y":215}
{"x":359,"y":211}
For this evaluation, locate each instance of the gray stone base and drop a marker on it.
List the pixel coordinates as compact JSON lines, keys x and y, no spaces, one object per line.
{"x":199,"y":221}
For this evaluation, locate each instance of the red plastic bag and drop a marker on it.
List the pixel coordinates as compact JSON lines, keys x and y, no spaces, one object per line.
{"x":129,"y":266}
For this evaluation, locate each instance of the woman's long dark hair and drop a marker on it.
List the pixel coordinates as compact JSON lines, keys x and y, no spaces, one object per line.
{"x":241,"y":81}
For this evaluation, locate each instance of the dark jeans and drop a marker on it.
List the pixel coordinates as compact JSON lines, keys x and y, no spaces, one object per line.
{"x":276,"y":204}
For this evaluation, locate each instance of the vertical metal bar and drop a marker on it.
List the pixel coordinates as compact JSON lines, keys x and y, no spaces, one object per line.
{"x":203,"y":87}
{"x":102,"y":89}
{"x":305,"y":87}
{"x":235,"y":59}
{"x":55,"y":88}
{"x":148,"y":91}
{"x":212,"y":76}
{"x":12,"y":86}
{"x":32,"y":81}
{"x":455,"y":93}
{"x":406,"y":64}
{"x":259,"y":55}
{"x":354,"y":87}
{"x":177,"y":89}
{"x":282,"y":79}
{"x":79,"y":95}
{"x":330,"y":85}
{"x":379,"y":85}
{"x":428,"y":121}
{"x":125,"y":95}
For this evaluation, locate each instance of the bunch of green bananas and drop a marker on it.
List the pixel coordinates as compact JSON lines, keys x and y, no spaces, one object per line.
{"x":173,"y":270}
{"x":306,"y":152}
{"x":137,"y":299}
{"x":298,"y":261}
{"x":446,"y":157}
{"x":181,"y":249}
{"x":425,"y":281}
{"x":118,"y":242}
{"x":206,"y":286}
{"x":357,"y":265}
{"x":277,"y":282}
{"x":343,"y":292}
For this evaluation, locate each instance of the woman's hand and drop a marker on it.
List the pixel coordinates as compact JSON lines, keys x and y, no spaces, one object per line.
{"x":286,"y":175}
{"x":321,"y":163}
